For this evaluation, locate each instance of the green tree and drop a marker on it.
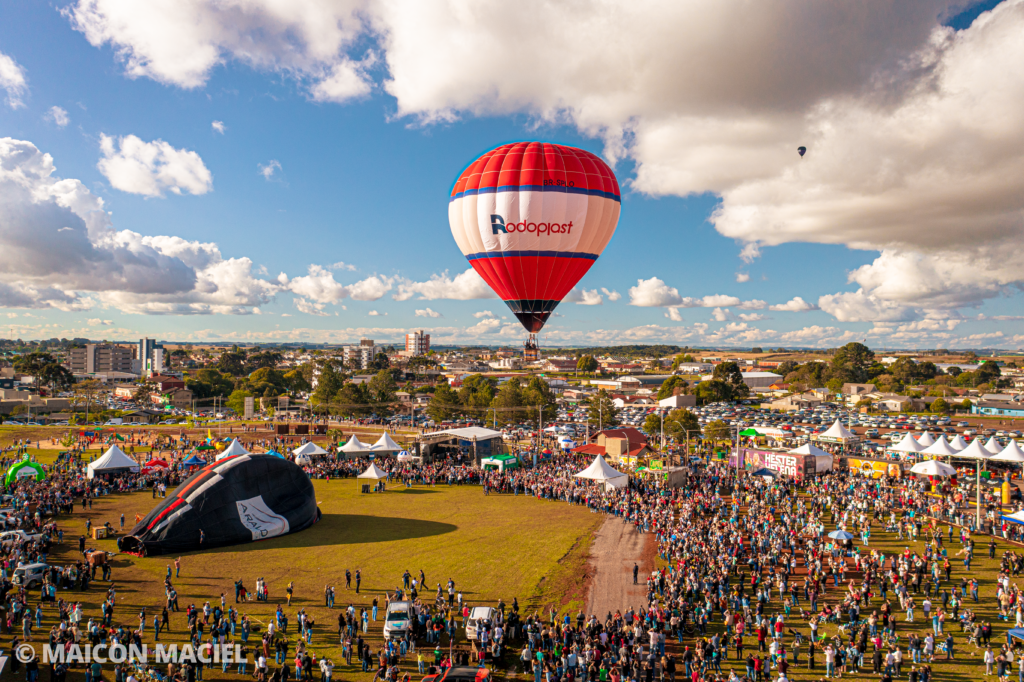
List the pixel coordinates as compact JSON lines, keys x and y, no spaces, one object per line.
{"x":652,"y":425}
{"x":537,"y":392}
{"x":508,"y":402}
{"x":717,"y":431}
{"x":669,"y":386}
{"x":966,"y":404}
{"x":232,"y":363}
{"x":756,"y":349}
{"x":787,"y":367}
{"x":444,"y":404}
{"x":382,"y":388}
{"x":477,"y":391}
{"x":33,"y":363}
{"x":236,"y":401}
{"x":353,"y":400}
{"x":729,"y":372}
{"x":940,"y":406}
{"x":712,"y":391}
{"x":267,"y":359}
{"x":55,"y":375}
{"x":681,"y":422}
{"x":680,"y":359}
{"x":296,"y":382}
{"x":988,"y":372}
{"x":380,"y":361}
{"x":601,"y":411}
{"x":587,"y":364}
{"x":328,"y":384}
{"x":855,"y":358}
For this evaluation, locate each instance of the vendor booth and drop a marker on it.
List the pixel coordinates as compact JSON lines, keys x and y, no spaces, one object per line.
{"x":837,"y":434}
{"x":499,"y":463}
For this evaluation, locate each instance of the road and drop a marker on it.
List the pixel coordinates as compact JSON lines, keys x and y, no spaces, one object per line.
{"x":617,"y":546}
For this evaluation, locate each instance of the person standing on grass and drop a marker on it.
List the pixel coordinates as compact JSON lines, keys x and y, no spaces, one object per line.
{"x":177,"y":567}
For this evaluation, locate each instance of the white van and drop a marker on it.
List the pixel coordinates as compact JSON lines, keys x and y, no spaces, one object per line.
{"x":477,"y":616}
{"x":30,"y":576}
{"x":116,"y":421}
{"x":398,"y":619}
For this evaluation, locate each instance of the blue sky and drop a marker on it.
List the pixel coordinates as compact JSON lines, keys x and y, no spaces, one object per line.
{"x":363,"y":179}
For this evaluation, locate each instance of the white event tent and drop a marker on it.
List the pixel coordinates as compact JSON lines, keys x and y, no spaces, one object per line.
{"x":113,"y":461}
{"x":385,"y":444}
{"x":958,"y":443}
{"x":354,"y":447}
{"x":994,"y":446}
{"x":234,"y":449}
{"x":309,"y":449}
{"x":908,"y":444}
{"x":599,"y":470}
{"x":933,"y":467}
{"x":940,"y":448}
{"x":822,"y":460}
{"x":373,"y":471}
{"x":926,"y":440}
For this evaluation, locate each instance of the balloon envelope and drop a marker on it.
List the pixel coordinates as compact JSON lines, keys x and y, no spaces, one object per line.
{"x":801,"y":150}
{"x":532,"y":218}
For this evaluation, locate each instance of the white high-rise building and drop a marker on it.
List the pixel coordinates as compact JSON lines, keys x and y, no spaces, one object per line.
{"x":416,"y":343}
{"x":361,"y":356}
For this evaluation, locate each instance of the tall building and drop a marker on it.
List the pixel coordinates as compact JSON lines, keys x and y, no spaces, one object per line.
{"x":150,"y":360}
{"x":361,"y":356}
{"x":416,"y":343}
{"x":100,"y":357}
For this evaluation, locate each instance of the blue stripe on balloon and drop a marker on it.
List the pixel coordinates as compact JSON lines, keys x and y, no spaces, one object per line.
{"x":528,"y":254}
{"x":537,"y":188}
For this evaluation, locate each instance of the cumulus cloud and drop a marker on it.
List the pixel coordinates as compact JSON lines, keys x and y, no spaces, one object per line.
{"x":465,"y":286}
{"x":152,"y":168}
{"x":61,"y":251}
{"x":654,"y":293}
{"x":674,"y":315}
{"x":583,"y":297}
{"x":742,"y":277}
{"x":612,"y":295}
{"x":427,"y":312}
{"x":218,"y":127}
{"x":484,"y":313}
{"x":374,"y":313}
{"x":12,"y":80}
{"x":320,"y":286}
{"x":794,"y":305}
{"x":182,"y":43}
{"x":268,"y":169}
{"x":58,"y":115}
{"x":98,"y":322}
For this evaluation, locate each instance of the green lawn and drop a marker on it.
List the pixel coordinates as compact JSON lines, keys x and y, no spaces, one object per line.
{"x":493,"y":547}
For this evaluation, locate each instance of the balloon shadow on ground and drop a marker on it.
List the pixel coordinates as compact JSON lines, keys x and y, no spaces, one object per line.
{"x":348,"y":529}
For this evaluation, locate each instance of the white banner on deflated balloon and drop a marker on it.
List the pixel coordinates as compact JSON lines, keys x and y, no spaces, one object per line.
{"x":259,"y":519}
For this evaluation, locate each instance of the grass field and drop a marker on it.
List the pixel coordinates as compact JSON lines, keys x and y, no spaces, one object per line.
{"x":493,"y":547}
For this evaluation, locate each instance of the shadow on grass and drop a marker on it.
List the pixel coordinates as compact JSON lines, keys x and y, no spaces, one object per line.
{"x":415,"y":491}
{"x":348,"y":529}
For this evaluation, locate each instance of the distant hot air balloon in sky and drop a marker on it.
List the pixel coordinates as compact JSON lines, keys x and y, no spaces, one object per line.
{"x":801,"y":150}
{"x":532,"y":218}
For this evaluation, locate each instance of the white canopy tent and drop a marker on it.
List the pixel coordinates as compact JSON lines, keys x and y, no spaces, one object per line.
{"x":354,"y":447}
{"x":111,"y":462}
{"x":908,"y":444}
{"x":994,"y":446}
{"x":975,"y":451}
{"x":309,"y":449}
{"x":822,"y":460}
{"x":926,"y":440}
{"x":1011,"y":453}
{"x":940,"y":448}
{"x":958,"y":443}
{"x":234,"y":449}
{"x":837,"y":433}
{"x":385,"y":444}
{"x":600,"y":470}
{"x":374,"y":472}
{"x":933,"y":467}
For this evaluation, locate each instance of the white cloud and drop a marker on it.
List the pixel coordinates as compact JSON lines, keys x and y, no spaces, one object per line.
{"x":321,"y":287}
{"x":742,"y":277}
{"x":310,"y":307}
{"x":97,"y":322}
{"x":151,"y":168}
{"x":180,"y":43}
{"x":583,"y":297}
{"x":795,"y":305}
{"x":342,"y":266}
{"x":653,"y":292}
{"x":12,"y":80}
{"x":484,"y":313}
{"x":612,"y":295}
{"x":465,"y":286}
{"x":61,"y":251}
{"x":374,"y":313}
{"x":58,"y":115}
{"x":344,"y":81}
{"x":268,"y":169}
{"x":427,"y":312}
{"x":218,"y":127}
{"x":673,"y":314}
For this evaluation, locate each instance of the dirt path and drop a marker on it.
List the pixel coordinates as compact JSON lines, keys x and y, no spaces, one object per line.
{"x":617,"y":546}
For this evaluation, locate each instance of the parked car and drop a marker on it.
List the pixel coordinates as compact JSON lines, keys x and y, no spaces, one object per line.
{"x":30,"y":575}
{"x":478,"y":615}
{"x":397,"y":619}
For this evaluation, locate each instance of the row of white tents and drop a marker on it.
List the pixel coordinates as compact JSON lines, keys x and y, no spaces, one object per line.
{"x":957,"y":447}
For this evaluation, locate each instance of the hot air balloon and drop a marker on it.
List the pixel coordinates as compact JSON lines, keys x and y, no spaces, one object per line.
{"x":801,"y":150}
{"x":532,"y":218}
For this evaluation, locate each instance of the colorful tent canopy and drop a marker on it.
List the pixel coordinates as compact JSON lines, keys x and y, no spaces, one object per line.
{"x":194,"y":461}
